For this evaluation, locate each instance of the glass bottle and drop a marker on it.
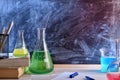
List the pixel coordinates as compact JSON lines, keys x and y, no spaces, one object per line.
{"x":20,"y":49}
{"x":41,"y":61}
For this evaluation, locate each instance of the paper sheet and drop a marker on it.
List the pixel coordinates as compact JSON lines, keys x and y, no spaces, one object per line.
{"x":65,"y":76}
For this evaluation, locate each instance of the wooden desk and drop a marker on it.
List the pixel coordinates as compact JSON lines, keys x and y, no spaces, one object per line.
{"x":89,"y":70}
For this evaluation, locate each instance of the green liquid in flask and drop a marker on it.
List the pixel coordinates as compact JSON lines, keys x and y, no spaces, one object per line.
{"x":41,"y":63}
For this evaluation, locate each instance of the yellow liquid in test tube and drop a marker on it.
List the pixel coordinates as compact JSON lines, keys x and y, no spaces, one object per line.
{"x":20,"y":52}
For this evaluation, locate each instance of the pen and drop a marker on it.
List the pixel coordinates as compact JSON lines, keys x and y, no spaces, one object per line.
{"x":89,"y":78}
{"x":73,"y":75}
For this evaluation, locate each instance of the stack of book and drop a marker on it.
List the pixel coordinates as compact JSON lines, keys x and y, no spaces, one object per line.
{"x":13,"y":68}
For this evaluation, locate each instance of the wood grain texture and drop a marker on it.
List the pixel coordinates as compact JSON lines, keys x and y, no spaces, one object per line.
{"x":82,"y":66}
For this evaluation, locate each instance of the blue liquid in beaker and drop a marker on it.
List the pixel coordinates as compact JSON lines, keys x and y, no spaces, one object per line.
{"x":105,"y":61}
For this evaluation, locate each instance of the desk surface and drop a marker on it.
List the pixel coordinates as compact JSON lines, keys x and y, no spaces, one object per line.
{"x":89,"y":70}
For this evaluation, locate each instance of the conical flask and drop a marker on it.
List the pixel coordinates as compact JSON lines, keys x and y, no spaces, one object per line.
{"x":20,"y":49}
{"x":41,"y":61}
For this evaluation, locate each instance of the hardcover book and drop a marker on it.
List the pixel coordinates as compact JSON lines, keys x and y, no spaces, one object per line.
{"x":11,"y":73}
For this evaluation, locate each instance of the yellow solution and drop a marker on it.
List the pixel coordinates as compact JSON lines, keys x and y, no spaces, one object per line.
{"x":20,"y":52}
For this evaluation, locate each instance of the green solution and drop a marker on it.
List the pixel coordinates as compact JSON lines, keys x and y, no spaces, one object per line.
{"x":41,"y":63}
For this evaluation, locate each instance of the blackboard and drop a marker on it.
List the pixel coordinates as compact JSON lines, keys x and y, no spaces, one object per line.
{"x":76,"y":29}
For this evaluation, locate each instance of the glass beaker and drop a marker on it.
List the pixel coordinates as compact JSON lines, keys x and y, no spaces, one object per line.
{"x":4,"y":46}
{"x":20,"y":49}
{"x":113,"y":71}
{"x":41,"y":61}
{"x":107,"y":56}
{"x":113,"y":68}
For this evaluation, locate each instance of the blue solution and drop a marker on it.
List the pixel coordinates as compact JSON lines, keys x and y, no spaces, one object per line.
{"x":105,"y":61}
